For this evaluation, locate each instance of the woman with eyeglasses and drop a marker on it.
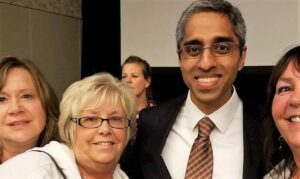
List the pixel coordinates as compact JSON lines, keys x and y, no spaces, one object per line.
{"x":96,"y":122}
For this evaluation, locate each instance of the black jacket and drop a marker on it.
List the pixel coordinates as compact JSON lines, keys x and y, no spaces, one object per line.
{"x":144,"y":159}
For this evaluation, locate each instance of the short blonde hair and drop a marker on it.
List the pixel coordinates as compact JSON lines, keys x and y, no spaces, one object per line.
{"x":102,"y":88}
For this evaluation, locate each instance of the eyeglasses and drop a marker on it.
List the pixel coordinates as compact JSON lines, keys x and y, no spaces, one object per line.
{"x":218,"y":50}
{"x":91,"y":122}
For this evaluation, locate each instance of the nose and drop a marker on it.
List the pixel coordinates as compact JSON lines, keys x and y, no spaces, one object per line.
{"x":295,"y":99}
{"x":207,"y":60}
{"x":127,"y":79}
{"x":15,"y":107}
{"x":104,"y":129}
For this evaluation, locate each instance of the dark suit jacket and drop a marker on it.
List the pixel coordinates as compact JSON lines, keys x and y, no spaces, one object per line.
{"x":145,"y":160}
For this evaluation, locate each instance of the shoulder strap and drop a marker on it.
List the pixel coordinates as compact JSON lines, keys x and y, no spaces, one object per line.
{"x":54,"y":161}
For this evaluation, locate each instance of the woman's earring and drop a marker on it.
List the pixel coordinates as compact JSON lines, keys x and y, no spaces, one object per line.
{"x":281,"y":141}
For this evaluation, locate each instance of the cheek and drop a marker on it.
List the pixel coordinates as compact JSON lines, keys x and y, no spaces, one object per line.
{"x":83,"y":139}
{"x":139,"y":85}
{"x":186,"y":68}
{"x":279,"y":106}
{"x":121,"y":135}
{"x":186,"y":65}
{"x":40,"y":114}
{"x":3,"y":113}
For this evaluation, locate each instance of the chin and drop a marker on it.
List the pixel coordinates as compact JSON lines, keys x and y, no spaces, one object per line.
{"x":106,"y":161}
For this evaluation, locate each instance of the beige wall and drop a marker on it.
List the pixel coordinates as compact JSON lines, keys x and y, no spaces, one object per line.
{"x":52,"y":41}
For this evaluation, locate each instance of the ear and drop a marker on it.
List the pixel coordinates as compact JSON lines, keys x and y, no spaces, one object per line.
{"x":242,"y":59}
{"x":179,"y":59}
{"x":148,"y":82}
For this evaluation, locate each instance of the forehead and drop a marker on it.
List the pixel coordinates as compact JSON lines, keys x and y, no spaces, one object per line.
{"x":103,"y":107}
{"x":208,"y":28}
{"x":132,"y":67}
{"x":20,"y":74}
{"x":291,"y":70}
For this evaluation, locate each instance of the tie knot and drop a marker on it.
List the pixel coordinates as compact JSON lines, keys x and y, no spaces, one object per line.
{"x":205,"y":127}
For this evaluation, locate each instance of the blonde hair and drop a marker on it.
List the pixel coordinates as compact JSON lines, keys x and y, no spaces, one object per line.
{"x":102,"y":88}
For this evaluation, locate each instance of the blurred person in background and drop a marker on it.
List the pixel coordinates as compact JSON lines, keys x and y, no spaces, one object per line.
{"x":137,"y":73}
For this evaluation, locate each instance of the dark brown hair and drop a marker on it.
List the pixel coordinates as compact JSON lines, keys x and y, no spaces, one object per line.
{"x":275,"y":149}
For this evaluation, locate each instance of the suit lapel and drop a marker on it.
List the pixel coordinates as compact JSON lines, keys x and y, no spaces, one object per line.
{"x":163,"y":130}
{"x":160,"y":128}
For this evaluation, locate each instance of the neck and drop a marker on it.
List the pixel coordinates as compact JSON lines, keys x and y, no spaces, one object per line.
{"x":142,"y":102}
{"x":296,"y":175}
{"x":95,"y":172}
{"x":9,"y":150}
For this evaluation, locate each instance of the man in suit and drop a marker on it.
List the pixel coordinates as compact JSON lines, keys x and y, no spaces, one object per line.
{"x":211,"y":48}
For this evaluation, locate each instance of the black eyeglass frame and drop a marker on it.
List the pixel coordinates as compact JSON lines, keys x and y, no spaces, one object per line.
{"x":211,"y":48}
{"x":77,"y":120}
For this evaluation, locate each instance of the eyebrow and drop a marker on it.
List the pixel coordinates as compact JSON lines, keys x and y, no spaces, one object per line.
{"x":223,"y":39}
{"x":192,"y":42}
{"x":216,"y":40}
{"x":96,"y":112}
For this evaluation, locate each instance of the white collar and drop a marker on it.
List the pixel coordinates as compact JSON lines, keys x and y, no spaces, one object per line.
{"x":229,"y":109}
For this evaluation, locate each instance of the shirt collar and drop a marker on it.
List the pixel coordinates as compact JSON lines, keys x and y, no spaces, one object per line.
{"x":229,"y":109}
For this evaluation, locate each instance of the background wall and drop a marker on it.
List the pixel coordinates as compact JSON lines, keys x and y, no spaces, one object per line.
{"x":148,"y":29}
{"x":51,"y":38}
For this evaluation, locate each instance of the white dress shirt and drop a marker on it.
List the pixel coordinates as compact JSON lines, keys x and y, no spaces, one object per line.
{"x":226,"y":139}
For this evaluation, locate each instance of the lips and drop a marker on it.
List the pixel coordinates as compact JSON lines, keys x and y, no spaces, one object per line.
{"x":104,"y":143}
{"x":207,"y":81}
{"x":19,"y":123}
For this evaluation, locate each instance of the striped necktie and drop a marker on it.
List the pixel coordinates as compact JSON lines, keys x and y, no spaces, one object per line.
{"x":200,"y":163}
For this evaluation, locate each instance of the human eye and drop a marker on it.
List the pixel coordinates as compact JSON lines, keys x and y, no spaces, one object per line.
{"x":193,"y":50}
{"x":222,"y":47}
{"x":116,"y":118}
{"x":89,"y":121}
{"x":27,"y":96}
{"x":283,"y":89}
{"x":123,"y":76}
{"x":2,"y":99}
{"x":118,"y":122}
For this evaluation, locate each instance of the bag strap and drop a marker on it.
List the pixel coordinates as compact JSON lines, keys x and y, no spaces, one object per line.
{"x":54,"y":161}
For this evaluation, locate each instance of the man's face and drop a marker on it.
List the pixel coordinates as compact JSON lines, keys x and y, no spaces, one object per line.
{"x":208,"y":77}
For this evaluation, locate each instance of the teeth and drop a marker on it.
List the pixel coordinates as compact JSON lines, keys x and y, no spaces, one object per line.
{"x":295,"y":119}
{"x":105,"y":143}
{"x":207,"y":80}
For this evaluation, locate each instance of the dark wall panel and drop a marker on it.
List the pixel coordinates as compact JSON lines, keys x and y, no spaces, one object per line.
{"x":101,"y":49}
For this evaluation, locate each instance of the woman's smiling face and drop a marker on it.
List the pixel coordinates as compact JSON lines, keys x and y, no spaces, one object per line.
{"x":286,"y":106}
{"x":103,"y":145}
{"x":22,"y":115}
